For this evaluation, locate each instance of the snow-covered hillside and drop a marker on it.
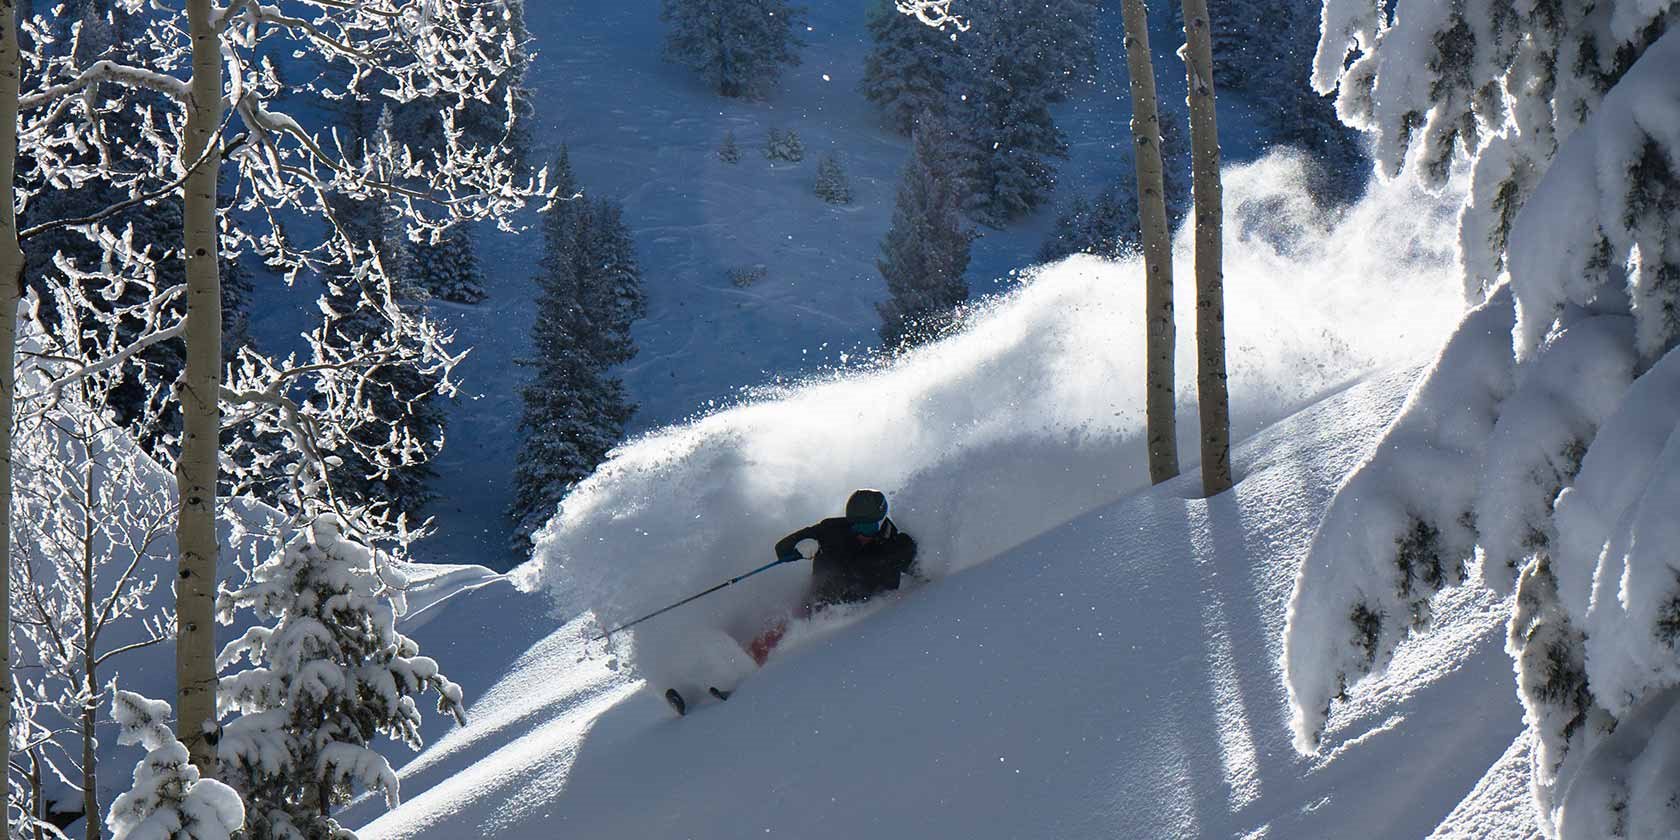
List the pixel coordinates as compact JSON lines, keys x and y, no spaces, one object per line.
{"x":1116,"y":677}
{"x":1092,"y":659}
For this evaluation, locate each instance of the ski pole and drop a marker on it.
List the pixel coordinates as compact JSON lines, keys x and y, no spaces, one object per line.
{"x":736,"y":579}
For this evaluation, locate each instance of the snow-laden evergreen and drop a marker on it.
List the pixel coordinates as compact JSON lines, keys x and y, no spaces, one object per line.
{"x":832,"y":185}
{"x":909,"y":67}
{"x":926,"y":251}
{"x":449,"y":269}
{"x":327,"y":678}
{"x":400,"y":401}
{"x":1106,"y":226}
{"x":739,"y":47}
{"x":169,"y":801}
{"x":728,"y":151}
{"x":1009,"y":138}
{"x":1539,"y":443}
{"x":783,"y":144}
{"x":1263,"y":49}
{"x":588,"y":293}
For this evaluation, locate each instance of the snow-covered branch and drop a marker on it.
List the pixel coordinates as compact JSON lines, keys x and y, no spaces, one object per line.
{"x":935,"y":13}
{"x":106,"y":71}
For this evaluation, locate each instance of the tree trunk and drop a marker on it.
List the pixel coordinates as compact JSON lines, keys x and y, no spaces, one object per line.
{"x":1210,"y":291}
{"x":1161,"y":333}
{"x":38,"y":807}
{"x":195,"y":587}
{"x":90,"y":686}
{"x":11,"y":289}
{"x":90,"y":778}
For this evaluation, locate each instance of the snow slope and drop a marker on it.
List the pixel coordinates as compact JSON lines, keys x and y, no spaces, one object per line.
{"x":1115,"y":677}
{"x":1092,"y":660}
{"x":1029,"y":417}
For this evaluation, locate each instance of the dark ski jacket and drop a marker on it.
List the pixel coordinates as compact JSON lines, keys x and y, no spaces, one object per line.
{"x":849,"y":567}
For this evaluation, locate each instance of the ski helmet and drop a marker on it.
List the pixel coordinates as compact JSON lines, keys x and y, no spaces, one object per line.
{"x":866,"y":506}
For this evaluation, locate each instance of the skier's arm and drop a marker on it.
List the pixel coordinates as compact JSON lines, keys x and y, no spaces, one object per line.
{"x":787,"y":549}
{"x":903,"y":552}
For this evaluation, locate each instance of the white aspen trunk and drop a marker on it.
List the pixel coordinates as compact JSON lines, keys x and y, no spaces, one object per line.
{"x":1161,"y":334}
{"x":1210,"y":284}
{"x":11,"y":290}
{"x":199,"y":389}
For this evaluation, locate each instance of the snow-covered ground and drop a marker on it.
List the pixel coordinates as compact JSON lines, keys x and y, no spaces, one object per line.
{"x":1092,"y":658}
{"x":1115,"y":677}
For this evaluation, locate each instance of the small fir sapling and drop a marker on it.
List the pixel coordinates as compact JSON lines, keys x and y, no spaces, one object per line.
{"x":747,"y":275}
{"x":169,"y":800}
{"x":729,"y":152}
{"x":328,"y":676}
{"x":832,"y":185}
{"x":784,"y":144}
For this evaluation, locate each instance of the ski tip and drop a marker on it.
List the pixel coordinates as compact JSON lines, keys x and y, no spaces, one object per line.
{"x":676,"y":701}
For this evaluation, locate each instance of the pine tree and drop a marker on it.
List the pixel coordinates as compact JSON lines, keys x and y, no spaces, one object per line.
{"x":589,"y":293}
{"x":449,"y":270}
{"x":832,"y":185}
{"x":328,"y":677}
{"x":610,"y":282}
{"x":729,"y":152}
{"x":783,"y":144}
{"x":1106,"y":227}
{"x":1008,"y":133}
{"x":926,"y":250}
{"x":1066,"y":42}
{"x":1551,"y":404}
{"x":909,"y":68}
{"x":1264,"y":48}
{"x":404,"y":399}
{"x":739,"y":46}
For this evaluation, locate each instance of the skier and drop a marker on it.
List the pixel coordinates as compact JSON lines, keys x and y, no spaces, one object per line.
{"x":859,"y":555}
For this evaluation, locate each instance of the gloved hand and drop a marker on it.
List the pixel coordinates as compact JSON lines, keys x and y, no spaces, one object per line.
{"x":792,"y":556}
